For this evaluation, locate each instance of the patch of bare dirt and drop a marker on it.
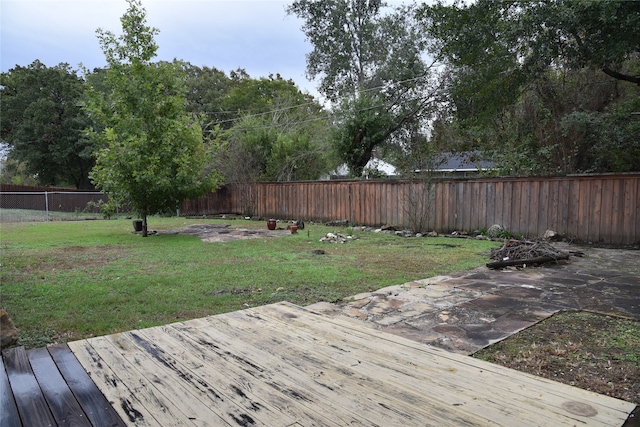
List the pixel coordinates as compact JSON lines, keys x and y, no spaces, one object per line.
{"x":224,"y":233}
{"x":587,"y":350}
{"x":66,"y":258}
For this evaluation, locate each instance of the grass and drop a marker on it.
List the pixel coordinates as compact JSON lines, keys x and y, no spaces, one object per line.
{"x":64,"y":281}
{"x":31,"y":215}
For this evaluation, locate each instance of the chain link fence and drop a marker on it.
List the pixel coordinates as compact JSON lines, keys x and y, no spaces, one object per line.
{"x":32,"y":206}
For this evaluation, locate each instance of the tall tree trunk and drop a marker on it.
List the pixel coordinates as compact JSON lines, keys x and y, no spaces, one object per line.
{"x":144,"y":225}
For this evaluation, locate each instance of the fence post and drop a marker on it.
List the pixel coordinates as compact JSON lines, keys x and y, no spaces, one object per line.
{"x":46,"y":204}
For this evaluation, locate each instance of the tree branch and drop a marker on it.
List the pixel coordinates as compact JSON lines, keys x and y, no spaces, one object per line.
{"x":619,"y":76}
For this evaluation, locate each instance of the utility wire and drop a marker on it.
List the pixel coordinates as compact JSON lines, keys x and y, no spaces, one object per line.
{"x":315,"y":119}
{"x":376,"y":88}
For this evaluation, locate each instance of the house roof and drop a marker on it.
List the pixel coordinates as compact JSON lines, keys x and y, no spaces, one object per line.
{"x":468,"y":161}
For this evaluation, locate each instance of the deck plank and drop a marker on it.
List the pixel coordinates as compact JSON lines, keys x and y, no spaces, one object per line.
{"x":284,"y":365}
{"x":498,"y":374}
{"x":447,"y":368}
{"x":492,"y":377}
{"x":65,"y":408}
{"x":139,"y":401}
{"x":416,"y":378}
{"x":382,"y":401}
{"x":204,"y":403}
{"x":94,"y":404}
{"x":9,"y":416}
{"x":397,"y":384}
{"x":216,"y":367}
{"x":286,"y":377}
{"x":31,"y":404}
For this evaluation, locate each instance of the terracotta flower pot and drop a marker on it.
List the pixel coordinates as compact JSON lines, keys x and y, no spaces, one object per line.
{"x":271,"y":224}
{"x":294,"y":229}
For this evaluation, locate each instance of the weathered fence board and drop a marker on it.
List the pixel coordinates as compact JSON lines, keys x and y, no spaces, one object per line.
{"x":595,"y":208}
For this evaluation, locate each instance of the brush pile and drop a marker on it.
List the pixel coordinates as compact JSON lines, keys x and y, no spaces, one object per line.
{"x":521,"y":252}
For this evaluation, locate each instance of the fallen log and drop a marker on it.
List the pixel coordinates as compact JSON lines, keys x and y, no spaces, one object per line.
{"x":536,"y":260}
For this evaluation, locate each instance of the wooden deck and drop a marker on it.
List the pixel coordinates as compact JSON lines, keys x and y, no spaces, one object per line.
{"x":281,"y":365}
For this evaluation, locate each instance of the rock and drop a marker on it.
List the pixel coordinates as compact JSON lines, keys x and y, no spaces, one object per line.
{"x":8,"y":331}
{"x":336,"y":238}
{"x":551,"y":236}
{"x":433,"y":234}
{"x":495,"y":231}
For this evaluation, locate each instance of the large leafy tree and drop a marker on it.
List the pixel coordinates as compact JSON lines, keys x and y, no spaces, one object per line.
{"x":496,"y":47}
{"x":346,"y":46}
{"x":42,"y":122}
{"x":369,"y":60}
{"x":522,"y":82}
{"x":207,"y":88}
{"x":281,"y":133}
{"x":264,"y":95}
{"x":152,"y":153}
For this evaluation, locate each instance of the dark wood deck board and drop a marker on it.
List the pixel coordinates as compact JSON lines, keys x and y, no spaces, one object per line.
{"x":65,"y":408}
{"x":31,"y":404}
{"x":9,"y":416}
{"x":98,"y":409}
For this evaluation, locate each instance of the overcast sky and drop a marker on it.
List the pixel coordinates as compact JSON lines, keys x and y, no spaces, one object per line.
{"x":256,"y":35}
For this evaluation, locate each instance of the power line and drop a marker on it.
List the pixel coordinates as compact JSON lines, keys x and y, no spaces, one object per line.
{"x":376,"y":88}
{"x":327,"y":117}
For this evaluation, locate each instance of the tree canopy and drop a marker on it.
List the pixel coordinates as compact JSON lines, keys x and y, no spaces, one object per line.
{"x":497,"y":47}
{"x":280,"y":133}
{"x":42,"y":122}
{"x":545,"y":87}
{"x":152,"y":154}
{"x":370,"y":63}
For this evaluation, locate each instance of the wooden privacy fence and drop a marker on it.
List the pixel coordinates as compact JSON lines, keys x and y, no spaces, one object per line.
{"x":589,"y":208}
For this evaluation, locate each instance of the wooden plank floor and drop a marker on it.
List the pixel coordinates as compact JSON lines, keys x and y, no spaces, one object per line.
{"x":49,"y":387}
{"x":282,"y":365}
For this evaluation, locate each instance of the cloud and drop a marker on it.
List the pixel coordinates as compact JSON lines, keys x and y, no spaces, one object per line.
{"x":251,"y":34}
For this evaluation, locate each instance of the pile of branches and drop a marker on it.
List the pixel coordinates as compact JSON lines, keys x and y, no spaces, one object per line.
{"x":521,"y":252}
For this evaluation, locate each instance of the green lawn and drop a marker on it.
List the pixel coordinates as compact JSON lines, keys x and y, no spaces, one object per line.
{"x":64,"y":281}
